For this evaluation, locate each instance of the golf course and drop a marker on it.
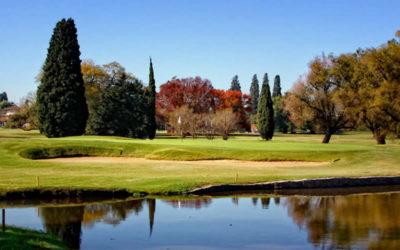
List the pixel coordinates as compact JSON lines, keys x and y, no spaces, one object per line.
{"x":165,"y":165}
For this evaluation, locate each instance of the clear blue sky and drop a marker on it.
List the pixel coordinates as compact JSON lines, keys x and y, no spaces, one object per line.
{"x":213,"y":39}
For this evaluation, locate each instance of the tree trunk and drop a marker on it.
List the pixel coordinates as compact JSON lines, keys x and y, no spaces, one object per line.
{"x":380,"y":139}
{"x":327,"y":138}
{"x":225,"y":136}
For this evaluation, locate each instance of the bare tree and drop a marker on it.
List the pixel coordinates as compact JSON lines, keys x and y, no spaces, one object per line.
{"x":225,"y":122}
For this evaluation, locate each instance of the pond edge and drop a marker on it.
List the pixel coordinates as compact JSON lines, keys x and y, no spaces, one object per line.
{"x":334,"y":182}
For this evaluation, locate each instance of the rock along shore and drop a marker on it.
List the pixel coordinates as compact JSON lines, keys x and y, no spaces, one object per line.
{"x":337,"y":182}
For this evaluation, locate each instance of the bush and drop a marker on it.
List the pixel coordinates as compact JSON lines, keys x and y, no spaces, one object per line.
{"x":225,"y":122}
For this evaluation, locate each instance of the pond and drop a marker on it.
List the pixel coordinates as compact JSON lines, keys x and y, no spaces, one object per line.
{"x":334,"y":218}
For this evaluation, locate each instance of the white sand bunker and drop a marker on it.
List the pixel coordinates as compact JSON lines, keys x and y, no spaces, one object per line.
{"x":236,"y":163}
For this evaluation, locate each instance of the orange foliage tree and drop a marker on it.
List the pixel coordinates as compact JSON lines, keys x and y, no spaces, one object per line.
{"x":238,"y":102}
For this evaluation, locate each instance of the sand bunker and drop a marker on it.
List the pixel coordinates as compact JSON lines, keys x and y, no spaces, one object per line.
{"x":236,"y":163}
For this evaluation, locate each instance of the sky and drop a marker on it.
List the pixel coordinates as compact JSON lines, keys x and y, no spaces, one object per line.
{"x":213,"y":39}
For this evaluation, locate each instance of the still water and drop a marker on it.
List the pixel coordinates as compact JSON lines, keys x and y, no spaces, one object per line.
{"x":253,"y":221}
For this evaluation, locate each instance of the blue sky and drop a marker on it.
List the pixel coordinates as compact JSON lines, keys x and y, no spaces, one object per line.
{"x":211,"y":39}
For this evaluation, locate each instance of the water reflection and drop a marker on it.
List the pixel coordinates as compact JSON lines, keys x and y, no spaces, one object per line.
{"x":66,"y":222}
{"x":366,"y":221}
{"x":152,"y":210}
{"x":265,"y":201}
{"x":197,"y":203}
{"x":350,"y":221}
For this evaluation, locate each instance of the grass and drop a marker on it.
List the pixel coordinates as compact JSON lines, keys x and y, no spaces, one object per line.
{"x":21,"y":238}
{"x":358,"y":154}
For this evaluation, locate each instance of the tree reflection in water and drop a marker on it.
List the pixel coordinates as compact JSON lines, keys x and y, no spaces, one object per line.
{"x":152,"y":210}
{"x":197,"y":204}
{"x":352,"y":221}
{"x":366,"y":221}
{"x":66,"y":222}
{"x":264,"y":202}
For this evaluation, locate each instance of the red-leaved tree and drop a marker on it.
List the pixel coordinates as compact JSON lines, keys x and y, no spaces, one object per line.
{"x":200,"y":96}
{"x":196,"y":93}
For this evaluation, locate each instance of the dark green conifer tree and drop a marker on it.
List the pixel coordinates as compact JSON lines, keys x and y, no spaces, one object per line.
{"x":265,"y":79}
{"x":265,"y":114}
{"x":4,"y":103}
{"x":61,"y":103}
{"x":235,"y":84}
{"x":3,"y":97}
{"x":121,"y":110}
{"x":255,"y":93}
{"x":151,"y":102}
{"x":277,"y":87}
{"x":281,"y":120}
{"x":280,"y":116}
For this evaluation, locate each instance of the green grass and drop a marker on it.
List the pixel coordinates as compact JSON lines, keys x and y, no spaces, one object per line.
{"x":358,"y":154}
{"x":21,"y":238}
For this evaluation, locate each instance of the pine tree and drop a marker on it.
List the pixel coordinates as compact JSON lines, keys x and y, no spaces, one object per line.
{"x":235,"y":85}
{"x":151,"y":102}
{"x":255,"y":93}
{"x":265,"y":114}
{"x":61,"y":103}
{"x":277,"y":87}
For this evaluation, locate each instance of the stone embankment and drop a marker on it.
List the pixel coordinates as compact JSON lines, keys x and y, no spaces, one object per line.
{"x":301,"y":184}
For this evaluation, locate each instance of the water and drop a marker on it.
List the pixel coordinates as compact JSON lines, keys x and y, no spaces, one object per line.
{"x":356,"y":220}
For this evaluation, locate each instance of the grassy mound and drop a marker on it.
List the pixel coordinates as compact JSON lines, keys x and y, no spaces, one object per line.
{"x":22,"y":238}
{"x":68,"y":151}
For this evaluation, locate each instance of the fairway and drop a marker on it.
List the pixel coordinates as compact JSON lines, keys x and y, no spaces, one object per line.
{"x":175,"y":169}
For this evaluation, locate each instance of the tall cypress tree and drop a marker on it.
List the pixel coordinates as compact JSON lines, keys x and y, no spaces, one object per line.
{"x":255,"y":93}
{"x":61,"y":102}
{"x":265,"y":114}
{"x":277,"y":87}
{"x":151,"y":109}
{"x":235,"y":84}
{"x":281,"y":120}
{"x":265,"y":79}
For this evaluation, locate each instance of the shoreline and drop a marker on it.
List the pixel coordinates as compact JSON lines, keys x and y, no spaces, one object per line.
{"x":276,"y":187}
{"x":319,"y":183}
{"x":60,"y":193}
